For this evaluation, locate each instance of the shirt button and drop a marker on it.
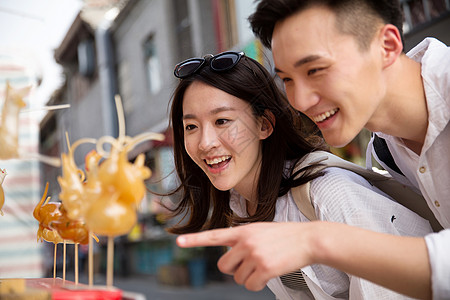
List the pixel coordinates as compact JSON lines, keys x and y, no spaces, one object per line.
{"x":422,"y":169}
{"x":437,"y":203}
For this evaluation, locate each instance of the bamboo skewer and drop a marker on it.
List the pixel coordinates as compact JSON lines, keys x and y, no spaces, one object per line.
{"x":110,"y":262}
{"x":64,"y":260}
{"x":91,"y":260}
{"x":76,"y":263}
{"x":54,"y":261}
{"x":45,"y":108}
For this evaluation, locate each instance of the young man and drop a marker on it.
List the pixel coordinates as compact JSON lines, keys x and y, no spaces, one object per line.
{"x":343,"y":66}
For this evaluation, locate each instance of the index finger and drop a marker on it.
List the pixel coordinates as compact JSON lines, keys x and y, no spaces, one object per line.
{"x":214,"y":237}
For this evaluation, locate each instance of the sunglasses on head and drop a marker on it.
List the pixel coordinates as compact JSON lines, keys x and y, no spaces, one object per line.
{"x":219,"y":63}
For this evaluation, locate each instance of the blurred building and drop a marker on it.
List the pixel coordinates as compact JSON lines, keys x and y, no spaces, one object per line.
{"x":426,"y":18}
{"x":129,"y":47}
{"x":20,"y":253}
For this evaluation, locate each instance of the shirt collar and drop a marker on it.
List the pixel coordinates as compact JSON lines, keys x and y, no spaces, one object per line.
{"x":433,"y":56}
{"x":238,"y":204}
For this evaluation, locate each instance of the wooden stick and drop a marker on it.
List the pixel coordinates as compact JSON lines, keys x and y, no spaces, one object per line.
{"x":52,"y":161}
{"x":91,"y":260}
{"x":64,"y":260}
{"x":120,"y":116}
{"x":54,"y":261}
{"x":110,"y":261}
{"x":76,"y":263}
{"x":47,"y":108}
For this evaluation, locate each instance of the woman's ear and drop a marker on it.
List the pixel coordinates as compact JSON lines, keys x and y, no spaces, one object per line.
{"x":267,"y":124}
{"x":391,"y":44}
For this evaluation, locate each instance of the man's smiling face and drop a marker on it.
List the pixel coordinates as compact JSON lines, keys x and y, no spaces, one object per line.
{"x":326,"y":74}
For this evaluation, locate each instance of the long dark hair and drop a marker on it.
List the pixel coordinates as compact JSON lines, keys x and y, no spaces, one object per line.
{"x":207,"y":207}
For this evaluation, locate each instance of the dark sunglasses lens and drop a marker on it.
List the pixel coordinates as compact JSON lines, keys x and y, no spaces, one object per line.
{"x":224,"y":61}
{"x":187,"y":68}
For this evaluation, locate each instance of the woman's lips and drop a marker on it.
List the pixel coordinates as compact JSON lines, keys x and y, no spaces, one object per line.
{"x":218,"y":164}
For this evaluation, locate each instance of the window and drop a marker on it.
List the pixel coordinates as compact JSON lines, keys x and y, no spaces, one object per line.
{"x":418,"y":12}
{"x":152,"y":66}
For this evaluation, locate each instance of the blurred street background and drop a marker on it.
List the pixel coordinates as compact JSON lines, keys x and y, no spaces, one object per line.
{"x":83,"y":53}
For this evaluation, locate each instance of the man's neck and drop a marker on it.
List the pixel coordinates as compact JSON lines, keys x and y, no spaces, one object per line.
{"x":403,"y":112}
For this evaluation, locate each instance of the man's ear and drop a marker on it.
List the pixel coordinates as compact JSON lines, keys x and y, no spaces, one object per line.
{"x":391,"y":43}
{"x":267,"y":124}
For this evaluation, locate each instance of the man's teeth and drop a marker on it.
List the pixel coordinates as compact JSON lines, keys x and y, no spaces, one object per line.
{"x":325,"y":115}
{"x":217,"y":160}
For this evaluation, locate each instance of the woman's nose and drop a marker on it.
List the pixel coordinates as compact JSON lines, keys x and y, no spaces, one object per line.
{"x":209,"y":139}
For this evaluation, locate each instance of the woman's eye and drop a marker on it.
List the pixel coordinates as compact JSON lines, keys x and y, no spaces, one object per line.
{"x":222,"y":121}
{"x":286,"y":80}
{"x":189,"y":127}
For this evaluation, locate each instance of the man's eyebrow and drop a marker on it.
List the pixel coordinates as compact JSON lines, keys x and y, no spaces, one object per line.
{"x":300,"y":62}
{"x":212,"y":112}
{"x":276,"y":70}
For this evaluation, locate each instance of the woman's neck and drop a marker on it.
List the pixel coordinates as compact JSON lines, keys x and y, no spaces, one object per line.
{"x":250,"y":198}
{"x":248,"y":188}
{"x":251,"y":207}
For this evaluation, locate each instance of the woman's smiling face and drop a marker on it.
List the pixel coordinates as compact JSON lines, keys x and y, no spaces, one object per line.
{"x":223,"y":137}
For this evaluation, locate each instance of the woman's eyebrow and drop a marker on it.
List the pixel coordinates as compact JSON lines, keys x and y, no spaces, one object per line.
{"x":188,"y":116}
{"x":221,"y":109}
{"x":212,"y":112}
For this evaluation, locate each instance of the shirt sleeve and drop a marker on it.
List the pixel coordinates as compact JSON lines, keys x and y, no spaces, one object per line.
{"x":438,"y":245}
{"x":345,"y":197}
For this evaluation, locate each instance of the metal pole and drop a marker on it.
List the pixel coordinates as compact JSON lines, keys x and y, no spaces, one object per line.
{"x":107,"y":76}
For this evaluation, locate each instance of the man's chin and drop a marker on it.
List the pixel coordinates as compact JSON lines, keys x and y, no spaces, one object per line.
{"x":337,"y":142}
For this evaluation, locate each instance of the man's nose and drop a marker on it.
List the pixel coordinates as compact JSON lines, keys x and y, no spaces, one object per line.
{"x":304,"y":97}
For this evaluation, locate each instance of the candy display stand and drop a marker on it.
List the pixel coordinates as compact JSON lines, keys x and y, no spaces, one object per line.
{"x":59,"y":289}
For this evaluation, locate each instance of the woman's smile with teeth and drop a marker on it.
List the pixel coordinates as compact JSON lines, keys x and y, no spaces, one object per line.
{"x":323,"y":116}
{"x":217,"y":160}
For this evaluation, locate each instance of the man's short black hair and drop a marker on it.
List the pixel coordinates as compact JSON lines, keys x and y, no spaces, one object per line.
{"x":356,"y":17}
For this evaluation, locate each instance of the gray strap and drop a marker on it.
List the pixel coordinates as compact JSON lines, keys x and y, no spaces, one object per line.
{"x":302,"y":199}
{"x":401,"y":193}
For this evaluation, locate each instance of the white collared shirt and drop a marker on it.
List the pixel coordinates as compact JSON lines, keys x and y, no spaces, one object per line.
{"x":429,"y":172}
{"x":345,"y":197}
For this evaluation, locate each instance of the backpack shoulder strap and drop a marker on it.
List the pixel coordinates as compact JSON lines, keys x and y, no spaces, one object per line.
{"x":302,"y":199}
{"x":398,"y":191}
{"x":301,"y":194}
{"x":401,"y":193}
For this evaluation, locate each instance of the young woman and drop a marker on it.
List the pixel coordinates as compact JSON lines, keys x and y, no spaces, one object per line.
{"x":236,"y":143}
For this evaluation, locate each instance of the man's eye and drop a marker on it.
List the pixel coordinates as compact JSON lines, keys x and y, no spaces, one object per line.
{"x":314,"y":71}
